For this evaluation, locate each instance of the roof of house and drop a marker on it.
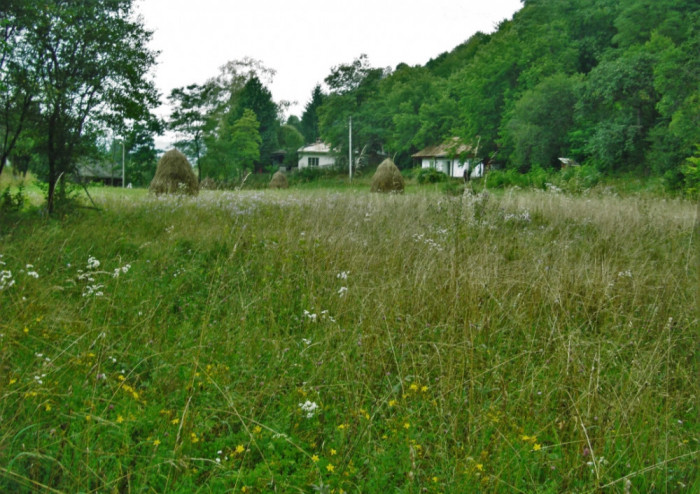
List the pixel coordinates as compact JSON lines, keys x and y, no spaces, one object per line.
{"x":317,"y":147}
{"x":450,"y":148}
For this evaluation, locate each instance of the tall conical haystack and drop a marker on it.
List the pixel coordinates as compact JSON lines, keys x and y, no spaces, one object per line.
{"x":174,"y":175}
{"x":387,"y":178}
{"x":279,"y":181}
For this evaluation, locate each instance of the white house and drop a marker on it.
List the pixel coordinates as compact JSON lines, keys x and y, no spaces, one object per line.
{"x":452,"y":157}
{"x":317,"y":154}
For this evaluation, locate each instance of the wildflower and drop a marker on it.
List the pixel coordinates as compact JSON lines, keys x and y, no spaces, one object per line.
{"x":194,"y":438}
{"x":536,"y":447}
{"x":48,"y":407}
{"x":406,"y":425}
{"x":309,"y":407}
{"x":13,"y":380}
{"x":257,"y":429}
{"x":330,"y":467}
{"x":413,"y":387}
{"x":424,"y":389}
{"x":435,"y":479}
{"x":343,"y":275}
{"x":240,"y":449}
{"x":120,"y":419}
{"x":33,"y":274}
{"x":480,"y":467}
{"x":342,"y":290}
{"x":342,"y":426}
{"x":93,"y":263}
{"x":88,"y":418}
{"x":25,"y":330}
{"x":156,"y":442}
{"x":333,"y":452}
{"x":525,"y":438}
{"x":315,"y":458}
{"x":392,"y":403}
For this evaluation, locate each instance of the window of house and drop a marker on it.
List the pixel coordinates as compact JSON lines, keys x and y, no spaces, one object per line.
{"x":313,"y":161}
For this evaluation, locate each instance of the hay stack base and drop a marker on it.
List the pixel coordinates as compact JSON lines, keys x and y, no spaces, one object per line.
{"x":387,"y":178}
{"x":279,"y":181}
{"x":174,"y":175}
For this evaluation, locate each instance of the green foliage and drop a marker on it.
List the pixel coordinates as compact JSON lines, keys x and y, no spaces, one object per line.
{"x":85,"y":66}
{"x":10,"y":201}
{"x":429,"y":175}
{"x":690,"y":172}
{"x":309,"y":119}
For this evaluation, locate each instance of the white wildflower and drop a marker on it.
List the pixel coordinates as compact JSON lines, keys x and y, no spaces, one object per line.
{"x":342,"y":290}
{"x":309,"y":407}
{"x":93,"y":263}
{"x":343,"y":275}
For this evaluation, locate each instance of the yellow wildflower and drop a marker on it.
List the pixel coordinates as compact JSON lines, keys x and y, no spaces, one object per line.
{"x":424,"y":389}
{"x":435,"y":479}
{"x":26,"y":330}
{"x":194,"y":437}
{"x":13,"y":380}
{"x":392,"y":403}
{"x":240,"y":449}
{"x":330,"y":467}
{"x":536,"y":447}
{"x":175,"y":421}
{"x":406,"y":425}
{"x":315,"y":458}
{"x":121,"y":378}
{"x":257,"y":429}
{"x":156,"y":442}
{"x":48,"y":407}
{"x":333,"y":452}
{"x":413,"y":387}
{"x":342,"y":426}
{"x":88,"y":418}
{"x":480,"y":467}
{"x":120,"y":419}
{"x":525,"y":438}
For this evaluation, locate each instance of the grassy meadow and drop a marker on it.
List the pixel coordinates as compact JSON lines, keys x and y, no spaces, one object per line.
{"x":340,"y":341}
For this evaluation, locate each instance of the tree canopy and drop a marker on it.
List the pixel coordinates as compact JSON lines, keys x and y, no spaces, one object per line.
{"x":84,"y":65}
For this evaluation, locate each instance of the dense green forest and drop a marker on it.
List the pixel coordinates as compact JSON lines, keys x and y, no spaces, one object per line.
{"x":613,"y":84}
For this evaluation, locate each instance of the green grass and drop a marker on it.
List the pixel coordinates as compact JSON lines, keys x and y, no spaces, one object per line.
{"x":520,"y":342}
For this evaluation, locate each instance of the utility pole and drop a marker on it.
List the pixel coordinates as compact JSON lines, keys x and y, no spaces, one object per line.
{"x":350,"y":146}
{"x":123,"y":171}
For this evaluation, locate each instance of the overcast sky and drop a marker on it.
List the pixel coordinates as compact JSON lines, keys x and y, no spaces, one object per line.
{"x":303,"y":39}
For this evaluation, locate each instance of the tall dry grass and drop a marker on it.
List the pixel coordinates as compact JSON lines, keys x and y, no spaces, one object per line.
{"x":529,"y":342}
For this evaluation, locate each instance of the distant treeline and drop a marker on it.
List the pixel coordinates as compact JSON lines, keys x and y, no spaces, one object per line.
{"x":610,"y":83}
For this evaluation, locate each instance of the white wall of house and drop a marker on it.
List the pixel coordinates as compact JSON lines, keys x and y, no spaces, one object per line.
{"x":315,"y":159}
{"x":452,"y":167}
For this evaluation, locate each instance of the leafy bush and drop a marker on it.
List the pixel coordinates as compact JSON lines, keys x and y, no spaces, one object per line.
{"x":429,"y":176}
{"x":10,"y":201}
{"x":691,"y":175}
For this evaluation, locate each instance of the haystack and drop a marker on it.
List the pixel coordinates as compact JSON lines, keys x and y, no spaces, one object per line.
{"x":174,"y":175}
{"x":387,"y":178}
{"x":279,"y":181}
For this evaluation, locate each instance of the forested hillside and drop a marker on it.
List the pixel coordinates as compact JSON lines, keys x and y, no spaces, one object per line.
{"x":610,"y":83}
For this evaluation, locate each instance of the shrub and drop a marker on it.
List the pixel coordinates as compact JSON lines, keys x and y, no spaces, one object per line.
{"x":429,"y":176}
